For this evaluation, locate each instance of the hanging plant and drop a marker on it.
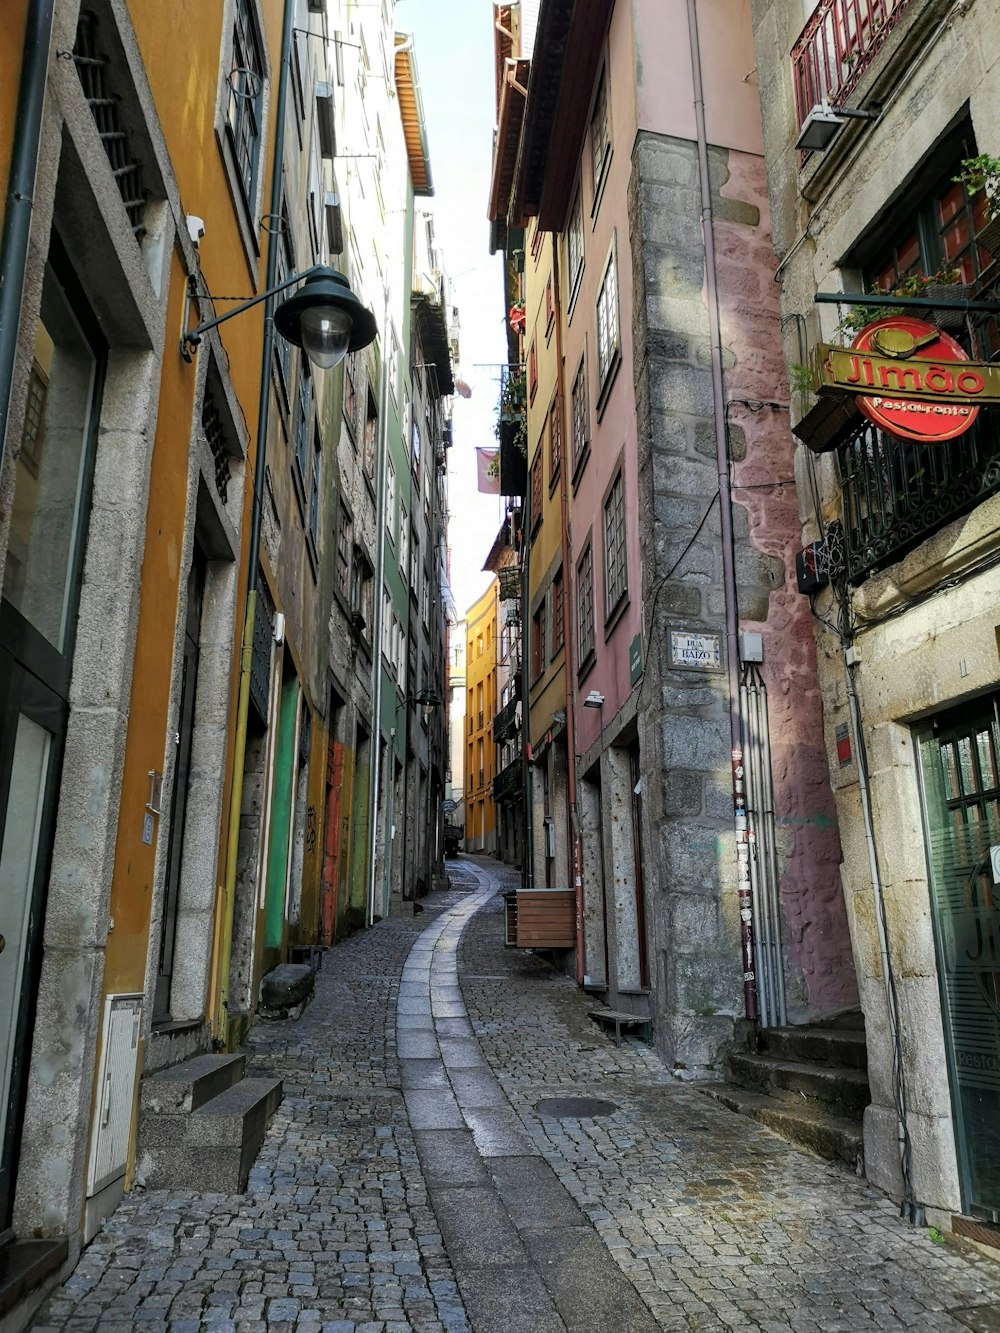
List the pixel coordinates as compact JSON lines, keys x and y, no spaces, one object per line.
{"x":517,"y":318}
{"x":512,"y":417}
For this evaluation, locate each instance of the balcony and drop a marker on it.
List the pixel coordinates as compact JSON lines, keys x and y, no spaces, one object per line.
{"x":835,"y":48}
{"x":896,"y":494}
{"x":505,"y":721}
{"x":507,"y":783}
{"x":482,"y":779}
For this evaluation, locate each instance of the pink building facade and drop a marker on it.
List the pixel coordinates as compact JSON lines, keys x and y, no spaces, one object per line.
{"x":675,"y":415}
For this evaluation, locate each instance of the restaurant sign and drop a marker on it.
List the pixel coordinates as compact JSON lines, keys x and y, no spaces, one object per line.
{"x":910,"y":378}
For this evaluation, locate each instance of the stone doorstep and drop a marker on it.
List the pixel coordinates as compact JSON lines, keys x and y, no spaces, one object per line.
{"x":827,"y":1046}
{"x":793,"y":1081}
{"x":183,"y":1087}
{"x":25,"y":1264}
{"x":215,"y":1146}
{"x":814,"y":1126}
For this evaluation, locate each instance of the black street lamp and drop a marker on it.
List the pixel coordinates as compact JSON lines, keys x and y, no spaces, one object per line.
{"x":324,"y":317}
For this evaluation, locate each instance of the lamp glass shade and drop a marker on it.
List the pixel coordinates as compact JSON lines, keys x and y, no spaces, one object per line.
{"x":326,"y":335}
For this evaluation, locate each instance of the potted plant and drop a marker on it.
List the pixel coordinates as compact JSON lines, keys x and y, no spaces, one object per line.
{"x":983,"y":173}
{"x":945,"y":285}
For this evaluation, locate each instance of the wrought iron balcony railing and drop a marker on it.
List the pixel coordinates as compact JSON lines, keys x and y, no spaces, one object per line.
{"x":896,"y":493}
{"x":836,"y":46}
{"x":507,"y":783}
{"x":505,"y":721}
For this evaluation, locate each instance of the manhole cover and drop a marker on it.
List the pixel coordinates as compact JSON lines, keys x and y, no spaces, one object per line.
{"x":574,"y":1108}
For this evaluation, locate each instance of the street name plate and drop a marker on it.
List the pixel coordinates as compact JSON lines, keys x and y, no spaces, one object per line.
{"x":693,"y":650}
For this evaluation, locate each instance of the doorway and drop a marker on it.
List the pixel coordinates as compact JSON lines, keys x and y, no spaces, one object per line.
{"x":183,"y":737}
{"x":50,"y":513}
{"x":960,"y":770}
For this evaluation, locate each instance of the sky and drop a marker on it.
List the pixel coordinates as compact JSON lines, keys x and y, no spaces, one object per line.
{"x":453,"y":44}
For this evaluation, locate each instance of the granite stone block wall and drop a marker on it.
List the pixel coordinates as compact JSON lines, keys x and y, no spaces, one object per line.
{"x":683,"y":716}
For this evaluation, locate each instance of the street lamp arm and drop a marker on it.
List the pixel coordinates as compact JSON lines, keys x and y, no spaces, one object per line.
{"x":194,"y":336}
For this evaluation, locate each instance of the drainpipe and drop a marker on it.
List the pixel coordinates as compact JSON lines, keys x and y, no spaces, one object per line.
{"x":376,"y":763}
{"x":726,"y":516}
{"x":20,"y":191}
{"x":223,"y":949}
{"x":574,"y":817}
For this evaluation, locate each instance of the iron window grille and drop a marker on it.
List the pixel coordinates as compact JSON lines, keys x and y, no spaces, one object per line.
{"x":93,"y":69}
{"x":896,"y":494}
{"x":215,"y":434}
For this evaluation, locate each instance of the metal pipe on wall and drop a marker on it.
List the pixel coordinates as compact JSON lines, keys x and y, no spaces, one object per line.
{"x":770,"y":829}
{"x":760,"y":953}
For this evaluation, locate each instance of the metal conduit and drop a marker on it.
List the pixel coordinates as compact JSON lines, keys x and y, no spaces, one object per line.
{"x":760,"y":945}
{"x":767,"y":778}
{"x":764,"y":873}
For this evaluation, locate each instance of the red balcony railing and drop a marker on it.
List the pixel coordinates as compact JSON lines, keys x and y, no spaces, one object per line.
{"x":836,"y":46}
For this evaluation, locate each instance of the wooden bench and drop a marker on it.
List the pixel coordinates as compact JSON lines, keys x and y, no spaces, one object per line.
{"x":619,"y":1019}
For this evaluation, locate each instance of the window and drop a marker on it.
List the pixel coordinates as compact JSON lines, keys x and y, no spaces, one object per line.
{"x":555,"y":441}
{"x":345,"y":532}
{"x":283,"y":271}
{"x":390,"y":500}
{"x":416,"y":447}
{"x":362,"y":580}
{"x":532,"y":372}
{"x":580,"y":408}
{"x":303,"y":409}
{"x":352,"y":379}
{"x":246,"y":98}
{"x":937,"y":235}
{"x":414,"y":570}
{"x":550,"y":309}
{"x":600,"y":138}
{"x":404,"y":540}
{"x":536,"y":490}
{"x":371,"y":438}
{"x":314,"y":490}
{"x":538,"y":642}
{"x":585,"y":604}
{"x":615,"y":574}
{"x":607,"y":322}
{"x":574,"y":247}
{"x":558,"y":637}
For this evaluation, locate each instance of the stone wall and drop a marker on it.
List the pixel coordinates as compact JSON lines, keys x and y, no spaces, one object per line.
{"x":684,"y":716}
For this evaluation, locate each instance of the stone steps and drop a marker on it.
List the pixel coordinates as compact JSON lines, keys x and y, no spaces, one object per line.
{"x":202,"y":1124}
{"x":808,"y":1083}
{"x":796,"y":1081}
{"x":818,"y":1128}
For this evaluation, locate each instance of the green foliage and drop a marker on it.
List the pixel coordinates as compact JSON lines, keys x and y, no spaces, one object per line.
{"x":512,"y":410}
{"x":982,"y":173}
{"x":916,"y":284}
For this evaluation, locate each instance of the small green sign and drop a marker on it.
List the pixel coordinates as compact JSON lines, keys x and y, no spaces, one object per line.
{"x":635,"y":660}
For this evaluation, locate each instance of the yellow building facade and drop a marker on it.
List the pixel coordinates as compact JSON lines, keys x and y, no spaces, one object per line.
{"x":480,"y":707}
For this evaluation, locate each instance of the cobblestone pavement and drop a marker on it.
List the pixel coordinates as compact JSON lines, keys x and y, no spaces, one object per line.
{"x":719,"y":1223}
{"x":394,"y":1176}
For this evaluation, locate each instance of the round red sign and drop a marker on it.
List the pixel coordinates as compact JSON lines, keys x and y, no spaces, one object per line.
{"x":904,"y":402}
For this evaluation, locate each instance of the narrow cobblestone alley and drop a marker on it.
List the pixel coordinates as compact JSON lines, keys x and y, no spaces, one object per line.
{"x":408,"y":1182}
